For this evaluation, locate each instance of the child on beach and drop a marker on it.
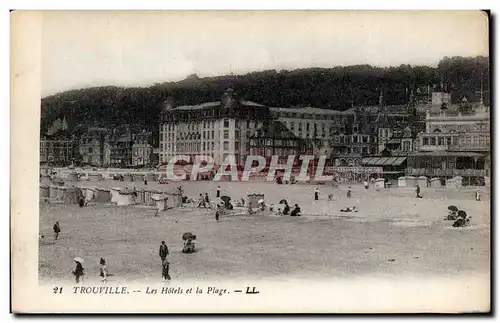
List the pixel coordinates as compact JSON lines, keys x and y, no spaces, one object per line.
{"x":103,"y":270}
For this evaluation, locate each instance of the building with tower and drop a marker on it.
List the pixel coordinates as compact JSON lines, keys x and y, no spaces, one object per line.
{"x":216,"y":129}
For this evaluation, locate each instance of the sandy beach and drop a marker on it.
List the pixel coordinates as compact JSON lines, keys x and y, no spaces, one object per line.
{"x":393,"y":233}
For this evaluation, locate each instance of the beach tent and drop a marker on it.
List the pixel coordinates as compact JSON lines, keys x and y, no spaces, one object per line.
{"x":435,"y":182}
{"x":44,"y":192}
{"x":102,"y":195}
{"x":72,"y":195}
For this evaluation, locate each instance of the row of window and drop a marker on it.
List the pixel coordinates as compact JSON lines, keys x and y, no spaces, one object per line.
{"x":268,"y":142}
{"x":310,"y":116}
{"x":355,"y":150}
{"x":448,"y":141}
{"x":268,"y":152}
{"x":208,"y":124}
{"x":352,"y":139}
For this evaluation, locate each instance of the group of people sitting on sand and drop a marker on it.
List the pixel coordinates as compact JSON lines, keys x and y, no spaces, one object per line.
{"x":204,"y":201}
{"x":286,"y":209}
{"x":459,"y":217}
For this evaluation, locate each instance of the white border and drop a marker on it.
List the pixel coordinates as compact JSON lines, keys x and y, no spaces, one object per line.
{"x":148,"y":4}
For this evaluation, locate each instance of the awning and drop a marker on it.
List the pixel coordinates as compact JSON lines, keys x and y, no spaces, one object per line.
{"x":399,"y":161}
{"x":383,"y":161}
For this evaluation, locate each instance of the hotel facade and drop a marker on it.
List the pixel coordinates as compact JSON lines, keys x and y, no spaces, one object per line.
{"x":454,"y":143}
{"x":216,"y":129}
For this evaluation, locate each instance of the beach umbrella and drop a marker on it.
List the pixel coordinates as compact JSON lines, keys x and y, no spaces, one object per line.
{"x":225,"y":198}
{"x":462,"y":214}
{"x":78,"y":259}
{"x":453,"y":208}
{"x":260,"y":201}
{"x":283,"y":201}
{"x":187,"y":235}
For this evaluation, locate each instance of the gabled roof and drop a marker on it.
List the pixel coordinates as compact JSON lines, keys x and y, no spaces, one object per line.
{"x":274,"y":129}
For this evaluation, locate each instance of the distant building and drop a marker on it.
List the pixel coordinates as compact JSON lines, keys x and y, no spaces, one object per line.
{"x":275,"y":139}
{"x":142,"y":150}
{"x":397,"y":132}
{"x":453,"y":144}
{"x":438,"y":98}
{"x":121,"y":141}
{"x":58,"y":152}
{"x":94,"y":147}
{"x":355,"y":139}
{"x":215,"y":129}
{"x":315,"y":125}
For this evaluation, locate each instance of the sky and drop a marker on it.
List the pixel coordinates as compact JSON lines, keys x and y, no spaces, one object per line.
{"x":84,"y":49}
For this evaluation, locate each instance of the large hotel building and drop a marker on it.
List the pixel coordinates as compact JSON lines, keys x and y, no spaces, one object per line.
{"x":214,"y":129}
{"x":233,"y":126}
{"x":224,"y":127}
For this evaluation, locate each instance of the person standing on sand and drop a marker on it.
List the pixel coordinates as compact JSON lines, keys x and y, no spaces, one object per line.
{"x":349,"y":192}
{"x":78,"y":272}
{"x":103,"y":270}
{"x":163,"y":251}
{"x":365,"y":183}
{"x":165,"y":268}
{"x":217,"y":215}
{"x":57,"y":230}
{"x":478,"y":195}
{"x":218,"y":191}
{"x":316,"y":194}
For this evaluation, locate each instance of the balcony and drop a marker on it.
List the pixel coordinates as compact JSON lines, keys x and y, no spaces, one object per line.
{"x":437,"y":172}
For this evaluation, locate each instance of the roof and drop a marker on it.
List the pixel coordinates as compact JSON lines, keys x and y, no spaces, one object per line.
{"x":206,"y":105}
{"x":311,"y":110}
{"x":198,"y":106}
{"x":383,"y":161}
{"x":447,"y":153}
{"x":274,"y":129}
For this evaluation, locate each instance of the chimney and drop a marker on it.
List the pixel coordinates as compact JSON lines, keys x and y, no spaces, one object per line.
{"x":227,"y":98}
{"x":168,"y":104}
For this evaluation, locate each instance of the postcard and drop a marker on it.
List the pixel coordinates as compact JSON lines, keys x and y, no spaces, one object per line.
{"x":250,"y":162}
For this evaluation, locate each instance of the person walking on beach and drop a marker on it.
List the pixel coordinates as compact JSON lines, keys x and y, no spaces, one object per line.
{"x":163,"y":251}
{"x":478,"y":195}
{"x":349,"y":192}
{"x":218,"y":191}
{"x":57,"y":230}
{"x":316,"y":194}
{"x":217,"y":215}
{"x":417,"y":190}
